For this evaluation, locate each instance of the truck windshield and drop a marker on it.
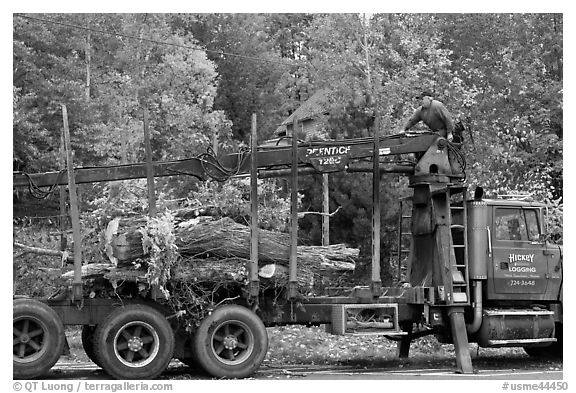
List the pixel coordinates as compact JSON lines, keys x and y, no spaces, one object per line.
{"x":517,"y":224}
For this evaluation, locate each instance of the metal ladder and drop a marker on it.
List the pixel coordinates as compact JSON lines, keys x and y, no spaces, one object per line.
{"x":404,"y":232}
{"x":456,"y":274}
{"x":460,"y":290}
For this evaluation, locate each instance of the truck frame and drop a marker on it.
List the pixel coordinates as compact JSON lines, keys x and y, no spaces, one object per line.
{"x":472,"y":275}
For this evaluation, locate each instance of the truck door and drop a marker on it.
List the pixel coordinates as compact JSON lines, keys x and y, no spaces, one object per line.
{"x":519,"y":257}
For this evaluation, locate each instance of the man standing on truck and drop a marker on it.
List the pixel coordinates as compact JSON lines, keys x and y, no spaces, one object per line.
{"x":434,"y":114}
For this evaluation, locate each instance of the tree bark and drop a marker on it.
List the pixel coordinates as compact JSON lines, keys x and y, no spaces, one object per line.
{"x":211,"y":271}
{"x":225,"y":238}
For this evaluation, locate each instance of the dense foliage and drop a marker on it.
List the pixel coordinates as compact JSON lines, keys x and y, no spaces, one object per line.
{"x":200,"y":77}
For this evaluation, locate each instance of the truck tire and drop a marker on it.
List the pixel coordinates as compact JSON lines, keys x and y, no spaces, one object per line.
{"x":134,"y":342}
{"x":88,"y":344}
{"x":38,"y":338}
{"x":231,"y":342}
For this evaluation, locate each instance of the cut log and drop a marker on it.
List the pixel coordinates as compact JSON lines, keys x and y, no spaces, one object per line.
{"x":210,"y":270}
{"x":64,"y":255}
{"x":216,"y":271}
{"x":224,"y":238}
{"x":236,"y":269}
{"x":90,"y":270}
{"x":216,"y":252}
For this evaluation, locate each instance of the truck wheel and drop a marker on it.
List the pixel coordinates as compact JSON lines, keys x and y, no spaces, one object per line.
{"x":134,"y":342}
{"x":38,"y":338}
{"x":88,"y":343}
{"x":231,"y":342}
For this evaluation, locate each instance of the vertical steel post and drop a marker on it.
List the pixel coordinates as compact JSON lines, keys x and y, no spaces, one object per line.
{"x":400,"y":235}
{"x":62,"y":189}
{"x":293,"y":281}
{"x":215,"y":143}
{"x":74,"y":211}
{"x":253,"y":271}
{"x":326,"y":211}
{"x":376,"y":285}
{"x":149,"y":168}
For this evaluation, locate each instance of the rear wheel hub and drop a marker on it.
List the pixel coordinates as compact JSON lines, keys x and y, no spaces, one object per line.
{"x":135,"y":344}
{"x":230,"y":342}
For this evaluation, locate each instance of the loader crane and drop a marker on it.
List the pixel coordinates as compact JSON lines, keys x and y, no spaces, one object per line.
{"x":467,"y":279}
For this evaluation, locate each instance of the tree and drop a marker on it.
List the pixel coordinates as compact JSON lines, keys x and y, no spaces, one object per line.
{"x":136,"y":61}
{"x":244,"y":47}
{"x":509,"y":65}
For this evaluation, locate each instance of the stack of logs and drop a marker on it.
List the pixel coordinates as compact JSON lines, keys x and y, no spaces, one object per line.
{"x":218,"y":249}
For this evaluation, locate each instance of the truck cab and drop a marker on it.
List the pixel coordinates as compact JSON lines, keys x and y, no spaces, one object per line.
{"x":522,"y":265}
{"x":517,"y":276}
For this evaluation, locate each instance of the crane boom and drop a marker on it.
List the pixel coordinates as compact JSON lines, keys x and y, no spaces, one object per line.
{"x":274,"y":159}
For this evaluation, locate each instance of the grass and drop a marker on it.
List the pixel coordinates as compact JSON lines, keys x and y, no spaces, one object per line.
{"x":312,"y":345}
{"x":298,"y":345}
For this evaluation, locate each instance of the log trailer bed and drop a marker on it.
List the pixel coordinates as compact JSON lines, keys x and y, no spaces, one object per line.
{"x":466,"y":282}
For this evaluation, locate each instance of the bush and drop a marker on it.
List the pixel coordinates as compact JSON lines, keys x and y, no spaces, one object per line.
{"x":36,"y":275}
{"x":232,"y":199}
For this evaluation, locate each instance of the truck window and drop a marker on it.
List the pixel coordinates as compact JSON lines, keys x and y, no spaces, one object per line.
{"x":531,"y":217}
{"x":516,"y":224}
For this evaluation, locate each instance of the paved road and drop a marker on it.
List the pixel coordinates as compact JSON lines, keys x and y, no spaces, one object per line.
{"x":66,"y":370}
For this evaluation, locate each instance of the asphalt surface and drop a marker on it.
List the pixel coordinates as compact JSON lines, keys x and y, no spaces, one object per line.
{"x":74,"y":370}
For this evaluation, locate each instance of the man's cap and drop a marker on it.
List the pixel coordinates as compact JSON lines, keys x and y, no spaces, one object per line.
{"x":425,"y":93}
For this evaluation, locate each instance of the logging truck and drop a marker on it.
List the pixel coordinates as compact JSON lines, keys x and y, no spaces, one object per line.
{"x":478,"y":270}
